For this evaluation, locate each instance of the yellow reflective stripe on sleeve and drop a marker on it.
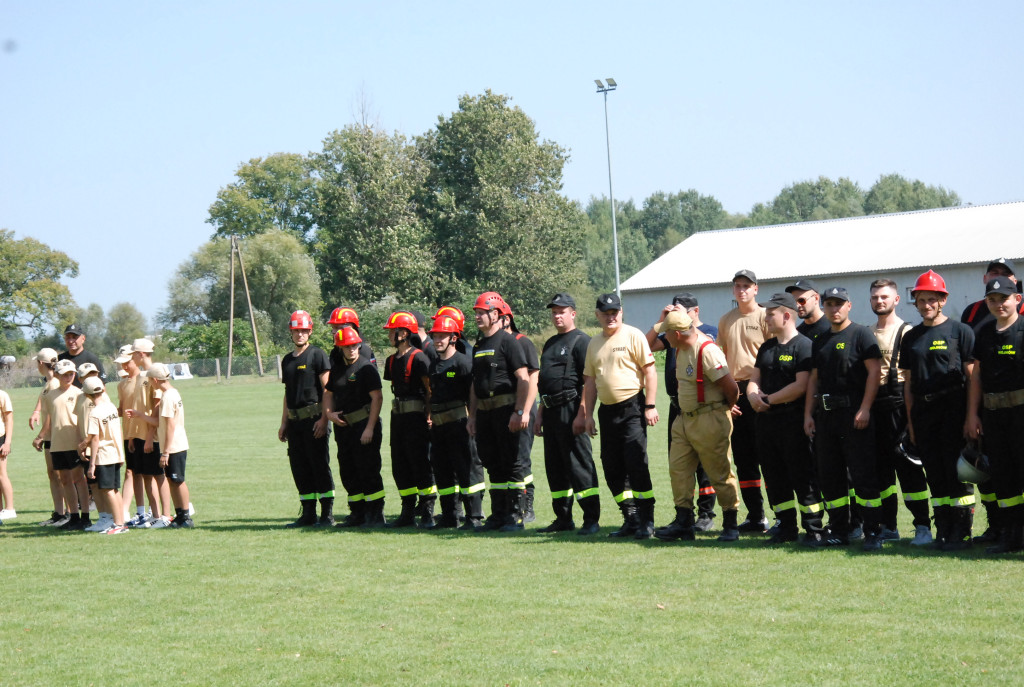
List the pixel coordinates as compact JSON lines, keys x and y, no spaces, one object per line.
{"x":619,"y":498}
{"x":377,"y":496}
{"x":915,"y":495}
{"x":352,"y":498}
{"x":887,"y":492}
{"x":411,"y":491}
{"x":561,"y":494}
{"x":962,"y":501}
{"x":587,"y":493}
{"x":838,"y":503}
{"x":869,"y":503}
{"x":785,"y":505}
{"x":813,"y":508}
{"x":466,"y":491}
{"x":429,"y":491}
{"x":987,"y":498}
{"x":447,"y":491}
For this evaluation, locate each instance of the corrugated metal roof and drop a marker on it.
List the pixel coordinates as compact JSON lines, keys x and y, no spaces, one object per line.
{"x":925,"y":238}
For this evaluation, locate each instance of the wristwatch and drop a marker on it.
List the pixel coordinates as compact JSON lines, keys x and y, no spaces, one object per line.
{"x":650,"y":406}
{"x":519,"y":413}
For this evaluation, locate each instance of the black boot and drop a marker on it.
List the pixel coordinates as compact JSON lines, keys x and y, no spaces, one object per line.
{"x":528,"y":514}
{"x":374,"y":514}
{"x":680,"y":529}
{"x":730,"y":532}
{"x":407,"y":518}
{"x":474,"y":506}
{"x":1010,"y":539}
{"x":591,"y":507}
{"x":448,"y":518}
{"x":356,"y":516}
{"x":960,"y":534}
{"x":562,"y":506}
{"x":787,"y":530}
{"x":943,"y":527}
{"x":499,"y":507}
{"x":426,"y":511}
{"x":645,"y":519}
{"x":517,"y":505}
{"x":995,"y":522}
{"x":630,"y":522}
{"x":308,"y":516}
{"x":326,"y":512}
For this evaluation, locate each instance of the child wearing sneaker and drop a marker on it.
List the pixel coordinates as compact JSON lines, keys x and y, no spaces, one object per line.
{"x":106,"y":452}
{"x":173,"y":441}
{"x":60,"y":425}
{"x":7,"y":511}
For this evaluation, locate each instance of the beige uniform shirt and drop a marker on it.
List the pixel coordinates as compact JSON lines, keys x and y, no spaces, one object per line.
{"x":61,"y":407}
{"x":740,"y":336}
{"x":51,"y":384}
{"x":617,"y":363}
{"x":172,"y":407}
{"x":127,"y":391}
{"x":83,"y":406}
{"x":103,"y":423}
{"x":146,"y":399}
{"x":715,"y":367}
{"x":886,"y":341}
{"x":5,"y":407}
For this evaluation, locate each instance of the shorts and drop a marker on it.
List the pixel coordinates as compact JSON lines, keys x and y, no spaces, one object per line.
{"x":65,"y":460}
{"x":149,"y":463}
{"x":109,"y":476}
{"x":46,"y":445}
{"x":175,"y":469}
{"x":133,"y":459}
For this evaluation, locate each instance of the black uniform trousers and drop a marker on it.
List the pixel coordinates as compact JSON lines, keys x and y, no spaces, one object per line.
{"x":890,"y":418}
{"x":526,"y":447}
{"x":938,"y":432}
{"x":456,"y":465}
{"x":845,"y":456}
{"x":744,"y":455}
{"x":568,"y":457}
{"x":410,"y":454}
{"x":624,"y":449}
{"x":309,"y":459}
{"x":358,"y":463}
{"x":1005,"y":451}
{"x":788,"y":466}
{"x":705,"y":491}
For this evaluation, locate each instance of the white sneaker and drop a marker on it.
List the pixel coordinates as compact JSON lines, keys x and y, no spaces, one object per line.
{"x":191,"y":510}
{"x":162,"y":521}
{"x":116,"y":530}
{"x":922,"y":536}
{"x":103,"y":524}
{"x":138,"y":521}
{"x":8,"y":514}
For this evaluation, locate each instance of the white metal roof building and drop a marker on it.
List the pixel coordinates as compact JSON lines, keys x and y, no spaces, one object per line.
{"x":958,"y":243}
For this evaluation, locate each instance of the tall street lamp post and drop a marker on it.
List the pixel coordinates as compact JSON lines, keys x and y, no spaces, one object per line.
{"x":602,"y":88}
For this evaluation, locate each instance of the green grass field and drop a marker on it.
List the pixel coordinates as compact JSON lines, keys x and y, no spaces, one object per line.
{"x":240,"y":600}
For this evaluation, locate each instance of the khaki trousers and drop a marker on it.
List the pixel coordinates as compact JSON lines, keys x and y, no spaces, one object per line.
{"x":703,"y":439}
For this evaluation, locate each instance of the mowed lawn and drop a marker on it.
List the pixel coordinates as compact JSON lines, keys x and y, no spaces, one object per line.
{"x":242,"y":601}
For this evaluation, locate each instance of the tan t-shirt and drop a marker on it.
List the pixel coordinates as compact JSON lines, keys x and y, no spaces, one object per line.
{"x":146,"y":399}
{"x":5,"y":407}
{"x":617,"y":363}
{"x":83,"y":406}
{"x":715,"y":367}
{"x":127,"y":389}
{"x":886,"y":341}
{"x":172,"y":407}
{"x":51,"y":384}
{"x":740,"y":336}
{"x":103,"y":423}
{"x":61,"y":407}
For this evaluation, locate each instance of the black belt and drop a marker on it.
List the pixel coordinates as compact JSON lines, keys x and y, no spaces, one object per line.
{"x":559,"y":399}
{"x":784,"y":407}
{"x":834,"y":401}
{"x":936,"y":395}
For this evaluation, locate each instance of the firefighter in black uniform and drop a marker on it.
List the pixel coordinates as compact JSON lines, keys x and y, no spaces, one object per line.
{"x":977,"y":314}
{"x":304,"y":423}
{"x":408,"y":370}
{"x":354,"y":399}
{"x":498,"y":411}
{"x":457,"y":467}
{"x":347,"y":317}
{"x":935,"y":356}
{"x":995,"y":406}
{"x":526,"y":437}
{"x":837,"y":415}
{"x":568,"y":457}
{"x":808,"y":307}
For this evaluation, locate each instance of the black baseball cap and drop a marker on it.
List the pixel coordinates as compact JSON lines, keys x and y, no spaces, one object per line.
{"x":1001,"y":285}
{"x":745,"y":273}
{"x":687,"y":300}
{"x":562,"y":300}
{"x":608,"y":301}
{"x":836,"y":292}
{"x":1002,"y":262}
{"x":75,"y":329}
{"x":784,"y":300}
{"x":802,"y":285}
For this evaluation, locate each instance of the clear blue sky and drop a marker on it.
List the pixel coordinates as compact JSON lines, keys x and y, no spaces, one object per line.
{"x":119,"y":121}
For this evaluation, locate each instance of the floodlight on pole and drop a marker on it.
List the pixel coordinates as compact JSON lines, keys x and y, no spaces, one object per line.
{"x":601,"y":88}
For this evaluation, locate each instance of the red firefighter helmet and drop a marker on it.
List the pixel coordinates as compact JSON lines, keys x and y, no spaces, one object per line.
{"x":344,"y":316}
{"x":402,"y":320}
{"x":346,"y":336}
{"x":445,"y":325}
{"x":489,"y":300}
{"x":930,"y":281}
{"x":452,"y":312}
{"x":300,"y":319}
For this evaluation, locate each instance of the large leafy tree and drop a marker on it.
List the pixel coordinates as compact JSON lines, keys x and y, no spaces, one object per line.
{"x":819,"y":199}
{"x":893,"y":193}
{"x":668,"y":218}
{"x":493,"y":201}
{"x":125,"y":323}
{"x":31,"y":293}
{"x":598,"y":250}
{"x":275,"y":192}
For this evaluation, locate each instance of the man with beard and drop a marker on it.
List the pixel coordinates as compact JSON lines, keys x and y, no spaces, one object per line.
{"x":808,"y":308}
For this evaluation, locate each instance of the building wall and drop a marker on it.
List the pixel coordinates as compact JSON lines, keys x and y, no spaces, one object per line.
{"x":964,"y":282}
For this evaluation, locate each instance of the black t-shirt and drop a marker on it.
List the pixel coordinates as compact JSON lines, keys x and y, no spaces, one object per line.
{"x":79,"y":360}
{"x":406,"y":373}
{"x":779,"y":362}
{"x":839,"y":358}
{"x":1000,"y":355}
{"x":351,"y":384}
{"x":671,"y":382}
{"x":935,"y":356}
{"x":450,"y":380}
{"x":301,"y":377}
{"x":814,"y":331}
{"x":338,"y":358}
{"x":495,"y":361}
{"x":561,"y":363}
{"x":977,"y":315}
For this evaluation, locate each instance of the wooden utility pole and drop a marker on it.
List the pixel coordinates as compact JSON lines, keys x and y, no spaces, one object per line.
{"x":231,"y":308}
{"x":236,"y":249}
{"x":248,"y":301}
